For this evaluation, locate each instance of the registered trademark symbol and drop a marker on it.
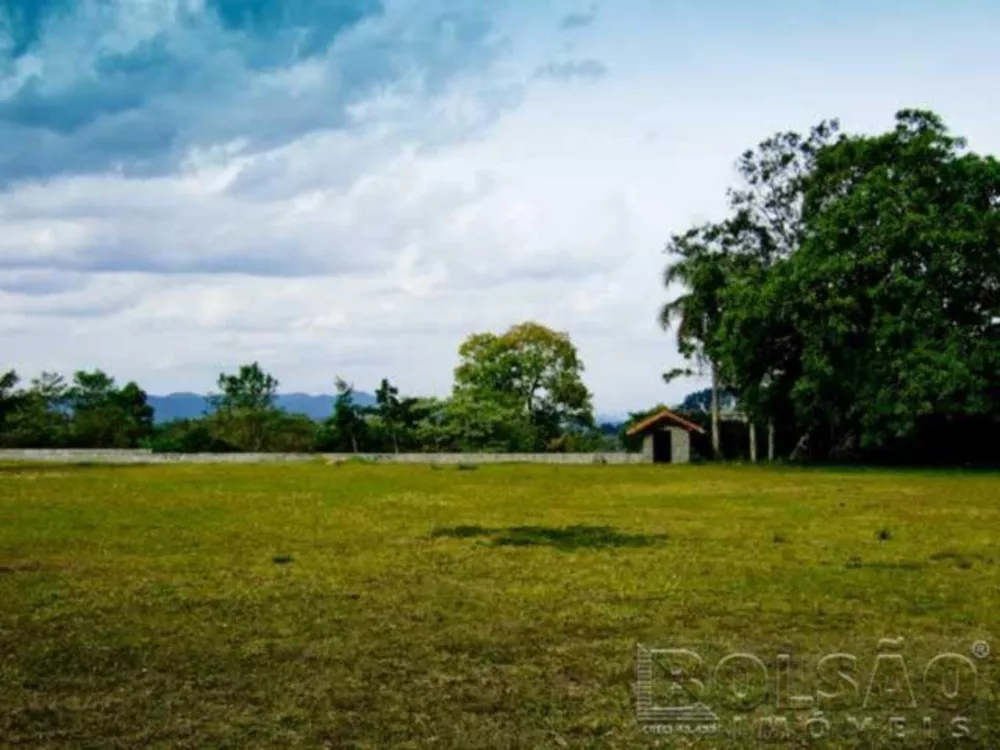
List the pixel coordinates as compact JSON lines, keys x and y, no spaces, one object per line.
{"x":980,"y":649}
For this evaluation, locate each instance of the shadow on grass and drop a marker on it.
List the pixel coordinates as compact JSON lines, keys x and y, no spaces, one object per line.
{"x":19,"y":567}
{"x":567,"y":539}
{"x":857,"y":562}
{"x":963,"y":560}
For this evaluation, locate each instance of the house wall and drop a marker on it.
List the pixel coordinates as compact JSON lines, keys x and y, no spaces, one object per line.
{"x":647,"y":447}
{"x":680,"y":445}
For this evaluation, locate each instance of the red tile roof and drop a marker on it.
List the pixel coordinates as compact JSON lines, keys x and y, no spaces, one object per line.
{"x":659,"y":418}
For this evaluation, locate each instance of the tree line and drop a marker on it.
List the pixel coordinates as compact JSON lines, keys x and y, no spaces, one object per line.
{"x":850,"y":299}
{"x":519,"y":391}
{"x":847,"y":307}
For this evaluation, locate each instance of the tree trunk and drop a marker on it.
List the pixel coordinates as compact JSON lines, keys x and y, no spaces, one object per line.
{"x":753,"y":442}
{"x":801,"y":448}
{"x":716,"y":445}
{"x":395,"y":443}
{"x":770,"y":440}
{"x":354,"y":443}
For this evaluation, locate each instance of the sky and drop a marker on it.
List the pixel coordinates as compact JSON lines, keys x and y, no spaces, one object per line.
{"x":352,"y":187}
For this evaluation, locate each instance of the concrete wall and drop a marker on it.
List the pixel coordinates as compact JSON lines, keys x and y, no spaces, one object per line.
{"x":647,"y":447}
{"x":147,"y":457}
{"x":680,"y":445}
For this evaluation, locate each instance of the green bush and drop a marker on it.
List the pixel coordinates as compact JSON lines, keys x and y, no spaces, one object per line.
{"x":187,"y":436}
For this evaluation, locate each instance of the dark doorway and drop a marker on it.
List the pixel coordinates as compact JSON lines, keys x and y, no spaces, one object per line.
{"x":661,"y":447}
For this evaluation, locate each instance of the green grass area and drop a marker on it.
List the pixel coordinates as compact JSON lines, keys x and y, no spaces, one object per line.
{"x":402,"y":607}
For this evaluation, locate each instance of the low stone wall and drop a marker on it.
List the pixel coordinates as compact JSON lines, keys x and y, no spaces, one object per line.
{"x":148,"y":457}
{"x":491,"y":458}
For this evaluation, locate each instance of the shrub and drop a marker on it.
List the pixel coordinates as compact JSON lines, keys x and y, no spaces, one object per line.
{"x":187,"y":436}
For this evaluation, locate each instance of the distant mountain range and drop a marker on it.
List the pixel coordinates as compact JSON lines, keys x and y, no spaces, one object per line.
{"x":193,"y":405}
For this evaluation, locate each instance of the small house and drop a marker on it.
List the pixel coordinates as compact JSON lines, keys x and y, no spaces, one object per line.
{"x":666,"y":437}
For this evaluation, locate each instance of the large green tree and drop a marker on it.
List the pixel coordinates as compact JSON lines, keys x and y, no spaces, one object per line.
{"x":896,"y":286}
{"x":699,"y":267}
{"x":40,"y":417}
{"x":347,"y":426}
{"x":528,"y":374}
{"x":244,"y":408}
{"x":717,"y":265}
{"x":9,"y":396}
{"x":103,"y":415}
{"x":390,"y":411}
{"x":859,"y":284}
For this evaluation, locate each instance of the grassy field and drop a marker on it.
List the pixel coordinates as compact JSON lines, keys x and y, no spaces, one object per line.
{"x":406,"y":607}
